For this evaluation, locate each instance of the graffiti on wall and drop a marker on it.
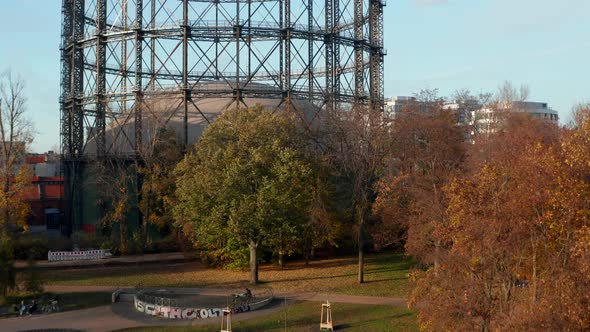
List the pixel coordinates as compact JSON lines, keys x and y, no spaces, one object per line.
{"x":183,"y":313}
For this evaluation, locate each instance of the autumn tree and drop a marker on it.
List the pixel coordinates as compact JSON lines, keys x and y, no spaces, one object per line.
{"x":247,"y":183}
{"x":15,"y":176}
{"x":491,"y":273}
{"x":563,"y":290}
{"x":426,"y":150}
{"x":15,"y":136}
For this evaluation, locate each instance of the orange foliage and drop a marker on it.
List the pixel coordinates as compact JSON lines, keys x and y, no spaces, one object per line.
{"x":517,"y":253}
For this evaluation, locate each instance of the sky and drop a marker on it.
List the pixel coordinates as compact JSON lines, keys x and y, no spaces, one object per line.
{"x":443,"y":44}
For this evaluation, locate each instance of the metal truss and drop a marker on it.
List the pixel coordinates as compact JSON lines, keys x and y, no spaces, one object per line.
{"x":118,"y":53}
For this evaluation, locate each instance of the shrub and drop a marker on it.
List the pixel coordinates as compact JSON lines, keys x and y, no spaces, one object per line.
{"x":86,"y":241}
{"x":31,"y":246}
{"x":7,"y":270}
{"x":33,"y":282}
{"x":166,"y":244}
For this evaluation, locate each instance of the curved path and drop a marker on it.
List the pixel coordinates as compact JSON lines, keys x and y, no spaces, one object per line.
{"x":122,"y":315}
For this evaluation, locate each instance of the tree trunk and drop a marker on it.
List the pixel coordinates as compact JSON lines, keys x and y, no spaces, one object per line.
{"x":436,"y":255}
{"x":361,"y":276}
{"x":123,"y":237}
{"x":361,"y":242}
{"x":485,"y":327}
{"x":534,"y":277}
{"x":253,"y":264}
{"x":281,"y":259}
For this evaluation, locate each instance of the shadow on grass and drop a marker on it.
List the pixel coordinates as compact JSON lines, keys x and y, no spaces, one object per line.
{"x":79,"y":275}
{"x":392,"y":262}
{"x":341,"y":327}
{"x":383,"y":280}
{"x":53,"y":330}
{"x":334,"y":276}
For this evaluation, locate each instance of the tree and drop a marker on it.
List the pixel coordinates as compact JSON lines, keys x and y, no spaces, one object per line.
{"x":508,"y":94}
{"x":356,"y":148}
{"x":15,"y":136}
{"x":247,"y":182}
{"x":115,"y":178}
{"x":324,"y":226}
{"x":426,"y":149}
{"x":468,"y":108}
{"x":496,"y":269}
{"x":15,"y":176}
{"x":158,"y":185}
{"x":143,"y":180}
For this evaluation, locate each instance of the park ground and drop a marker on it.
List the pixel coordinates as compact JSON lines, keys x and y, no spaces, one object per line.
{"x":377,"y":305}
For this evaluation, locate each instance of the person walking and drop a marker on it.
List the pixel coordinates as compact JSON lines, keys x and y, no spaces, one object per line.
{"x":23,"y":308}
{"x":32,"y":308}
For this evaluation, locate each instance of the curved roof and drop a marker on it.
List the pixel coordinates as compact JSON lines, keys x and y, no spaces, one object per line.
{"x":169,"y":113}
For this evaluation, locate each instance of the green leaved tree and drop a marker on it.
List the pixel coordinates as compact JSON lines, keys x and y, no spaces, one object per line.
{"x":247,"y":181}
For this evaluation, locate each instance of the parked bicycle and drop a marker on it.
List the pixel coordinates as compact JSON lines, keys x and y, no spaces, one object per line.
{"x":50,"y":307}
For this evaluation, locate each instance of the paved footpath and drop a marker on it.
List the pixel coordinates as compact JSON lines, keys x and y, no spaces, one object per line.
{"x":122,"y":315}
{"x":308,"y":296}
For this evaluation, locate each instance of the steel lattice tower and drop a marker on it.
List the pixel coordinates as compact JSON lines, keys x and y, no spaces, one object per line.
{"x":117,"y":53}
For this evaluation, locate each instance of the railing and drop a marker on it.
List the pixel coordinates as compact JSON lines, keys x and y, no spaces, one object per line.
{"x":57,"y":256}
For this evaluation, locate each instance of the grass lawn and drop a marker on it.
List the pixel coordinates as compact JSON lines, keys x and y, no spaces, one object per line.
{"x":305,"y":316}
{"x":67,"y":301}
{"x":385,"y":275}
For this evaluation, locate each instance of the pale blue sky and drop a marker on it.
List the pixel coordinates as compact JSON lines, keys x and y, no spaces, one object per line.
{"x":450,"y":45}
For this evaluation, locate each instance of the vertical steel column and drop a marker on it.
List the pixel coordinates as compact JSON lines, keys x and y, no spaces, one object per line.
{"x":67,"y":35}
{"x":281,"y":46}
{"x":123,"y":70}
{"x":185,"y":88}
{"x":310,"y":55}
{"x":78,"y":80}
{"x":216,"y":39}
{"x":73,"y":162}
{"x":336,"y":63}
{"x":66,"y":107}
{"x":381,"y":57}
{"x":359,"y":65}
{"x":153,"y":46}
{"x":238,"y":36}
{"x":329,"y":48}
{"x":287,"y":37}
{"x":138,"y":108}
{"x":101,"y":63}
{"x":376,"y":100}
{"x":249,"y":41}
{"x":138,"y":88}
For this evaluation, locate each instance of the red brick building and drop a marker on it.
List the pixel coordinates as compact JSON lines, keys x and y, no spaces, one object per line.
{"x":46,"y":193}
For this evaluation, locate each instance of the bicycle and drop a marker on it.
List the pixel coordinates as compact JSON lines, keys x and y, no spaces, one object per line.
{"x":241,"y":299}
{"x":52,"y":306}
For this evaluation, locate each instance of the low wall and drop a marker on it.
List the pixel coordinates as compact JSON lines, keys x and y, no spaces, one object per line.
{"x":174,"y":312}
